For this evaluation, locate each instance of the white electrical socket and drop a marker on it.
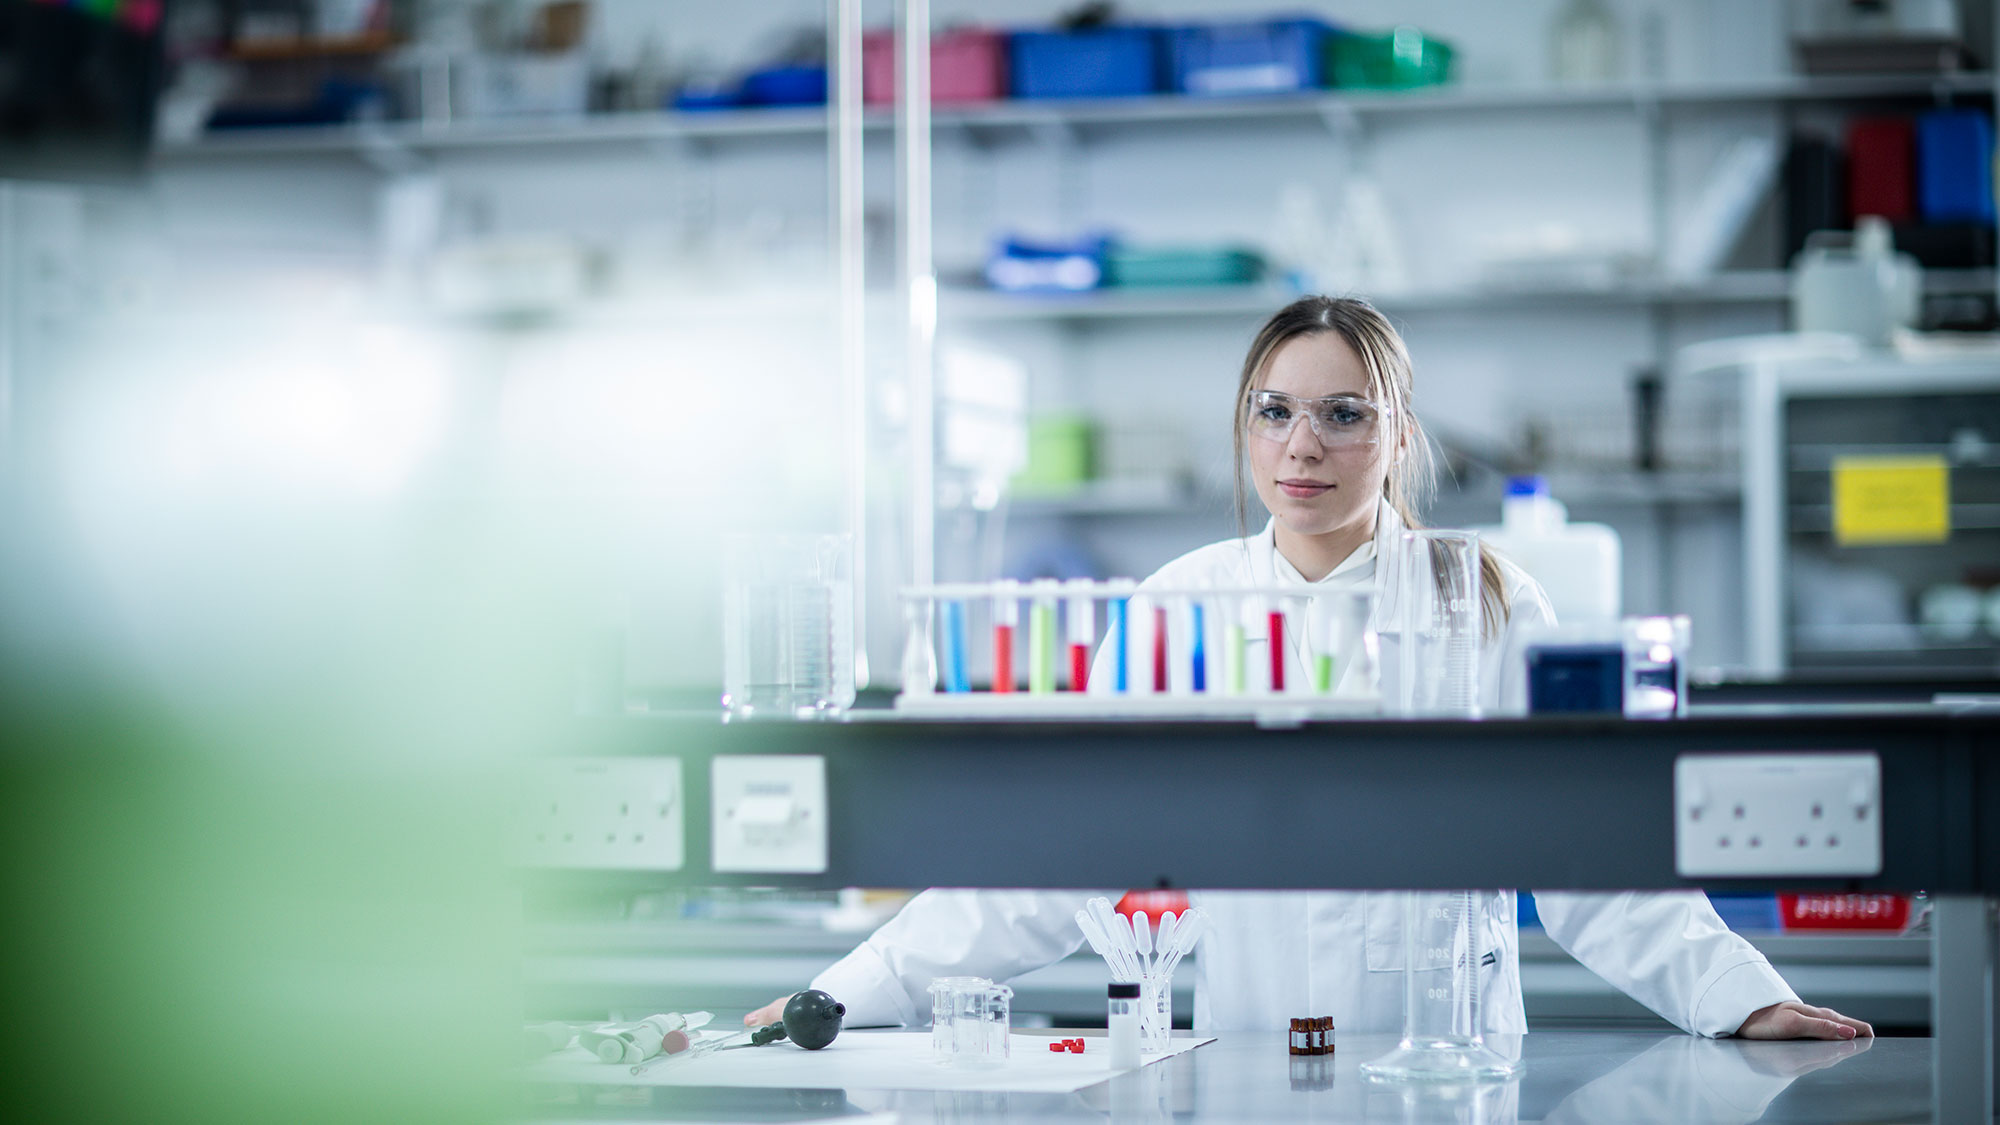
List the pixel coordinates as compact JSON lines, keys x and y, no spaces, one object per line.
{"x":616,"y":814}
{"x":1778,"y":814}
{"x":769,"y":813}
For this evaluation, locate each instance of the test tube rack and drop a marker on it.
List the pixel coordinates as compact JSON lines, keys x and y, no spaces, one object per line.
{"x":1263,"y":652}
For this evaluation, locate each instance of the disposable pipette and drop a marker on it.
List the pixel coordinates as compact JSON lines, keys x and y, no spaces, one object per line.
{"x":1006,"y":619}
{"x":955,"y":678}
{"x":1082,"y":626}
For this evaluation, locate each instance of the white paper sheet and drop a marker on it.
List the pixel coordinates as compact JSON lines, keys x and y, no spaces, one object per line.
{"x":861,"y":1060}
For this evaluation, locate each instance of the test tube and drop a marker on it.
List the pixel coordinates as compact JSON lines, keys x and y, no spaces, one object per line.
{"x":1319,"y":627}
{"x":1042,"y":638}
{"x":1159,"y":649}
{"x":1006,"y":620}
{"x":955,"y":678}
{"x":1235,"y":648}
{"x":1121,"y":635}
{"x":1082,"y":625}
{"x":1197,"y":649}
{"x":1277,"y":637}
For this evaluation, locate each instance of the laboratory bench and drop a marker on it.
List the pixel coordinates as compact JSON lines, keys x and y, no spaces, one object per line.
{"x":576,"y":969}
{"x":1581,"y":1077}
{"x":1288,"y":801}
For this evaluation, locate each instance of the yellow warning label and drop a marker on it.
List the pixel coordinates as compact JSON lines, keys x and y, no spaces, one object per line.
{"x":1880,"y":500}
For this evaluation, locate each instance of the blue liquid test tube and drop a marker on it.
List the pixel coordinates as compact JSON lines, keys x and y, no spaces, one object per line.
{"x":1197,"y":652}
{"x":1121,"y":634}
{"x":954,"y":647}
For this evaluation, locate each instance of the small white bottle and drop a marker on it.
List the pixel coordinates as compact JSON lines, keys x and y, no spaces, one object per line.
{"x":1123,"y":1023}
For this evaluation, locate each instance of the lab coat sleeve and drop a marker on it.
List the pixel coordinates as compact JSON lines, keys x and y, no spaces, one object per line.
{"x":885,"y":981}
{"x":1668,"y":950}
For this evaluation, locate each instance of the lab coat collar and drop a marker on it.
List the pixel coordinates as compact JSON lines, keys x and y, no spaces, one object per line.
{"x":1272,"y":568}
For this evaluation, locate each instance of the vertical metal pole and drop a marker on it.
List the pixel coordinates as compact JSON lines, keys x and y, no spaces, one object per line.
{"x":844,"y":170}
{"x":919,"y":282}
{"x":1962,"y":1001}
{"x":1763,"y":517}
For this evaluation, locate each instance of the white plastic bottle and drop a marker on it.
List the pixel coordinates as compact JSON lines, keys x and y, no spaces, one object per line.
{"x":1577,"y":564}
{"x":1122,"y":1020}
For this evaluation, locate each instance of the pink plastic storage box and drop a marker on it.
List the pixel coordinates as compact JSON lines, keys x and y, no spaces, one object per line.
{"x":967,"y":65}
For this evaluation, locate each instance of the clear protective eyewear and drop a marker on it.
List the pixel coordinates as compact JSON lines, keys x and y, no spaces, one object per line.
{"x":1336,"y":420}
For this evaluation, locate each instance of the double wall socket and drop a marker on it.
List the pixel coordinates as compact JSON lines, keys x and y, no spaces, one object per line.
{"x":1778,"y":814}
{"x":613,"y":814}
{"x":770,"y":813}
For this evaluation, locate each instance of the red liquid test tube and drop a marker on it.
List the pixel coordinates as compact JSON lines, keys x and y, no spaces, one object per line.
{"x":1003,"y":658}
{"x":1277,"y":650}
{"x":1160,"y":649}
{"x":1079,"y":667}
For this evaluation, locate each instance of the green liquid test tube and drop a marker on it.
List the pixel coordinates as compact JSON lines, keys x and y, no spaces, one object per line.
{"x":1042,"y":647}
{"x":1234,"y":644}
{"x":1323,"y":673}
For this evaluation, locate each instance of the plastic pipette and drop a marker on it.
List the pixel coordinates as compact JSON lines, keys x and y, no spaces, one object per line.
{"x":1142,"y":933}
{"x":1165,"y":942}
{"x":1103,"y":945}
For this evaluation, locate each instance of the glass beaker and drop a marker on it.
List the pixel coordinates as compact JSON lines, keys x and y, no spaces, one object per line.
{"x":970,"y":1021}
{"x":787,"y":625}
{"x":1656,"y":650}
{"x":1441,"y":1003}
{"x":1430,"y":634}
{"x":1342,"y":644}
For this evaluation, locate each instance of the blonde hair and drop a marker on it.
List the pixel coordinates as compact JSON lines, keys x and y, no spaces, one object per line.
{"x":1412,"y":475}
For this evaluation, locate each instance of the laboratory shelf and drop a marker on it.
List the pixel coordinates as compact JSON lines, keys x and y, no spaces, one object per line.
{"x":1038,"y":117}
{"x":1735,"y":287}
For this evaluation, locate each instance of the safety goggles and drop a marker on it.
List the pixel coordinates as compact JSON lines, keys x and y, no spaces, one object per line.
{"x":1336,"y":420}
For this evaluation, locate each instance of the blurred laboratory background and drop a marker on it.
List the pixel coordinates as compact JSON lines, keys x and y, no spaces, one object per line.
{"x":366,"y":365}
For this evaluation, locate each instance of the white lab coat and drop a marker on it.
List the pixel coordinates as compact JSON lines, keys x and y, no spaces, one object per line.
{"x":1273,"y":955}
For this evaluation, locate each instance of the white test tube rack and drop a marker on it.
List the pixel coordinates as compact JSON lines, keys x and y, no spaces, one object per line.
{"x":957,"y":621}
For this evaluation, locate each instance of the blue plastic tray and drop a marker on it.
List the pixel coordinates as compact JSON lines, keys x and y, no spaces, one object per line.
{"x":1106,"y":62}
{"x":1254,"y":57}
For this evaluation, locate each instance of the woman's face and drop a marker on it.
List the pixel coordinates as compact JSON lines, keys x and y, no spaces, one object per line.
{"x":1317,"y":483}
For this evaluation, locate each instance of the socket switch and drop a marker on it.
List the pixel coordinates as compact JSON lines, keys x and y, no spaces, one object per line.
{"x":769,"y":813}
{"x":1778,"y":814}
{"x":615,"y":814}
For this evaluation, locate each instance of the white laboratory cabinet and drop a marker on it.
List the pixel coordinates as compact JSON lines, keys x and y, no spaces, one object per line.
{"x":1903,"y":582}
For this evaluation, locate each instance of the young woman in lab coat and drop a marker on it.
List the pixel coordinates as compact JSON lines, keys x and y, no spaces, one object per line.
{"x":1323,"y":426}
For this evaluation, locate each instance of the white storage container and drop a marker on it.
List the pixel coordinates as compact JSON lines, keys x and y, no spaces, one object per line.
{"x":1577,"y":564}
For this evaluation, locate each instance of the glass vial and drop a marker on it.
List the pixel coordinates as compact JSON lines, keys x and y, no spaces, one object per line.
{"x":1122,"y":1020}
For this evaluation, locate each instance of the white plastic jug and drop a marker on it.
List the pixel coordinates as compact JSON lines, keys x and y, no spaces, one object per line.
{"x":1577,"y":564}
